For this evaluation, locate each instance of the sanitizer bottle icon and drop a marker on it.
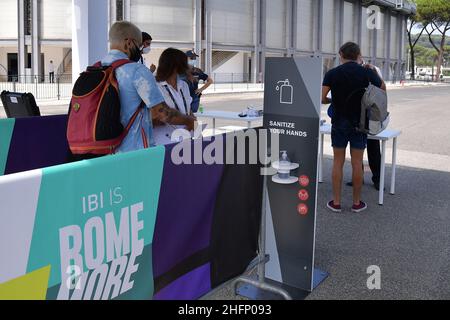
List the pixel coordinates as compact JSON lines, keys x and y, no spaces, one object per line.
{"x":286,"y":92}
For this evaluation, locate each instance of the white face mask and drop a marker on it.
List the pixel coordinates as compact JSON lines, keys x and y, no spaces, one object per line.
{"x":192,"y":63}
{"x":146,"y":50}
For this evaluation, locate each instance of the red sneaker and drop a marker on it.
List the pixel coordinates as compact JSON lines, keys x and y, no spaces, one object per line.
{"x":333,"y":207}
{"x":359,"y":208}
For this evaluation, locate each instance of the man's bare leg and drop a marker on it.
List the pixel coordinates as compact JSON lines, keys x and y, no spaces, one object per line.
{"x":338,"y":167}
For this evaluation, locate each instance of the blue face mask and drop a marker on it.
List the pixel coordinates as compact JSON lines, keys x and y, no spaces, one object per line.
{"x":192,"y":63}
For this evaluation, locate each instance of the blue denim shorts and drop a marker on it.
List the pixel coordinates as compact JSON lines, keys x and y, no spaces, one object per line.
{"x":343,"y":133}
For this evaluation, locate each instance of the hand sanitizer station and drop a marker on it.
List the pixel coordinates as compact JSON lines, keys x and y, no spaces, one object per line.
{"x":291,"y":111}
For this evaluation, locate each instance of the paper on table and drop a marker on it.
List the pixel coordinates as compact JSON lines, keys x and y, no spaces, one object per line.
{"x":163,"y":134}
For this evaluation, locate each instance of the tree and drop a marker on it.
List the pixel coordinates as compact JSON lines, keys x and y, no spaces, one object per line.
{"x":413,"y":22}
{"x":436,"y":15}
{"x":425,"y":57}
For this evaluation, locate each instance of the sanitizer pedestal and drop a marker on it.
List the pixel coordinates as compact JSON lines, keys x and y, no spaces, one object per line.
{"x":292,"y":110}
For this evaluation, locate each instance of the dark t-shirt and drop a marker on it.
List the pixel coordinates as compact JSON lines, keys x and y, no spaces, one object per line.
{"x":347,"y":83}
{"x":198,"y":75}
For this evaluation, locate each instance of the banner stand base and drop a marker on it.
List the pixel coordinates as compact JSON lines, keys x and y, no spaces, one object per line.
{"x":268,"y":289}
{"x":319,"y":276}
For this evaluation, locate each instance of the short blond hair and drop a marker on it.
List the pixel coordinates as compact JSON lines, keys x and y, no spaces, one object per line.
{"x":122,"y":30}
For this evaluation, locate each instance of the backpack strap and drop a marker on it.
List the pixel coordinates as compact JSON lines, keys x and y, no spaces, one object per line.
{"x":119,"y":63}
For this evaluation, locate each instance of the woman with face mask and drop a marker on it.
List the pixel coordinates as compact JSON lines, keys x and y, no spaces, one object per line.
{"x":172,"y":68}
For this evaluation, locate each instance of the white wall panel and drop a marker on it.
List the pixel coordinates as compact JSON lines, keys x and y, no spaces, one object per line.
{"x":305,"y":25}
{"x":367,"y":35}
{"x":349,"y":22}
{"x":276,"y":23}
{"x":8,"y":19}
{"x":56,"y":19}
{"x":165,"y":20}
{"x":394,"y":38}
{"x":329,"y":26}
{"x":381,"y":38}
{"x":232,"y":21}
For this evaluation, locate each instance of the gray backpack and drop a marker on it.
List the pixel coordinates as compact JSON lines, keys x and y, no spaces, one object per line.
{"x":374,"y":111}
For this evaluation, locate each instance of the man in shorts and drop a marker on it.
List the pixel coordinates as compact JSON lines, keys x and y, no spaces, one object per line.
{"x":347,"y":83}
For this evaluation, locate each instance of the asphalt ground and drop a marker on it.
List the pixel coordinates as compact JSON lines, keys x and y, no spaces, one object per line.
{"x":408,"y":237}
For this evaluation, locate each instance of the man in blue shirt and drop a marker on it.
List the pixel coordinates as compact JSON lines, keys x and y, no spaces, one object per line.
{"x":136,"y":85}
{"x":347,"y":83}
{"x":193,"y":78}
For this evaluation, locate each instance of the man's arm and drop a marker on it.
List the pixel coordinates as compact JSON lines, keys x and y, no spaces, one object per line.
{"x":208,"y":83}
{"x":163,"y":113}
{"x":377,"y":77}
{"x":325,"y":91}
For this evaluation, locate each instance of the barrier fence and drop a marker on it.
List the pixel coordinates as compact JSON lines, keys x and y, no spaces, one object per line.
{"x":42,"y":87}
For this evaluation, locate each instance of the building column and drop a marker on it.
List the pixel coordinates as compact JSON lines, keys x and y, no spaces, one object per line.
{"x":387,"y":64}
{"x":401,"y":44}
{"x":358,"y":22}
{"x":198,"y":48}
{"x":294,"y":26}
{"x":89,"y":33}
{"x":340,"y":22}
{"x":208,"y":38}
{"x":112,"y":4}
{"x":21,"y":52}
{"x":256,"y":54}
{"x":263,"y":38}
{"x":35,"y":45}
{"x":318,"y":31}
{"x":127,"y":10}
{"x":290,"y":19}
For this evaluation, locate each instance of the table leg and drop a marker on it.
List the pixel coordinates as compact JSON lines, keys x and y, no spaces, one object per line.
{"x":394,"y":165}
{"x":382,"y":172}
{"x":321,"y":142}
{"x":214,"y":126}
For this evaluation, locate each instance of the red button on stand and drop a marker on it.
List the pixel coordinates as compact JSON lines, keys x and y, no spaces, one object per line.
{"x":303,"y":195}
{"x":304,"y":181}
{"x":302,"y":209}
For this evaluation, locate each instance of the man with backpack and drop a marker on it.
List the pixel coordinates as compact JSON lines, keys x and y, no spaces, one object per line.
{"x":347,"y":84}
{"x":373,"y":146}
{"x":115,"y":101}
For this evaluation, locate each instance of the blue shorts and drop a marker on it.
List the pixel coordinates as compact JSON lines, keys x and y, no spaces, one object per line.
{"x":343,"y":133}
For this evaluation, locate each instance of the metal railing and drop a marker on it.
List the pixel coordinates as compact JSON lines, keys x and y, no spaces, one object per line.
{"x":42,"y":87}
{"x":235,"y":82}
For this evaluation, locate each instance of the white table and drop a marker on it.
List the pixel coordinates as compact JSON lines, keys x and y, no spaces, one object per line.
{"x":226,"y":115}
{"x":384,"y":137}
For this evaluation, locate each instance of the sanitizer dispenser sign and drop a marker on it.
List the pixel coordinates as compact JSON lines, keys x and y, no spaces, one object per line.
{"x":286,"y":92}
{"x":292,"y":111}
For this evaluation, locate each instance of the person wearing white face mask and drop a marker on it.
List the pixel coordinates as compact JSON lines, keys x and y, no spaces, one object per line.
{"x":194,"y":75}
{"x":146,"y":49}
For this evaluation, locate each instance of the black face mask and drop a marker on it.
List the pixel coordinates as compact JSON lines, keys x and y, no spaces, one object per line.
{"x":135,"y":54}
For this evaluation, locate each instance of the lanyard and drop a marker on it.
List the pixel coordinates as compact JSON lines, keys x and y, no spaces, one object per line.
{"x":173,"y":99}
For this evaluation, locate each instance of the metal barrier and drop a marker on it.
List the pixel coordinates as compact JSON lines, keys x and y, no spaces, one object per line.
{"x":42,"y":87}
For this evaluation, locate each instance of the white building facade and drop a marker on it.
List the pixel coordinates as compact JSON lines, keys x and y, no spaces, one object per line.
{"x":233,"y":37}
